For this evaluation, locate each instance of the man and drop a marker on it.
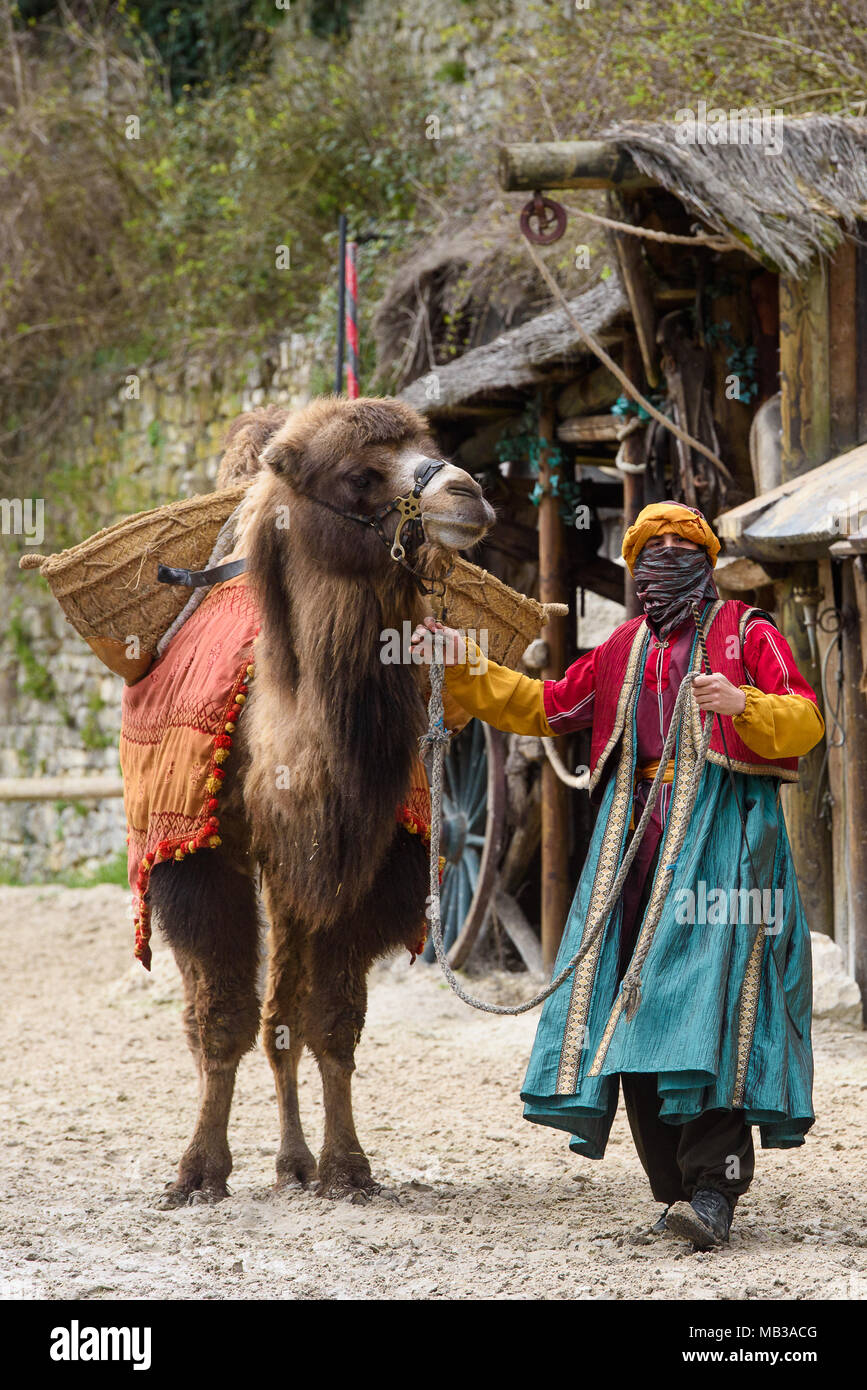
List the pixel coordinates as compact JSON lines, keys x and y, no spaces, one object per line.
{"x":715,"y":1038}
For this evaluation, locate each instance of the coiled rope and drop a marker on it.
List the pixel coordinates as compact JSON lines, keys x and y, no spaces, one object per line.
{"x":436,"y":739}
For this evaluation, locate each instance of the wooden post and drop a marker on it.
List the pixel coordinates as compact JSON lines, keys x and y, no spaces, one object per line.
{"x":855,"y":723}
{"x":731,"y":416}
{"x":804,"y":371}
{"x":633,"y":272}
{"x":555,"y":807}
{"x":837,"y":757}
{"x":633,"y":483}
{"x":861,"y":332}
{"x":843,"y":349}
{"x":806,"y":421}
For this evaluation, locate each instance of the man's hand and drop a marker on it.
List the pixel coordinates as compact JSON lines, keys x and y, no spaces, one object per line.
{"x":717,"y":693}
{"x":453,"y":645}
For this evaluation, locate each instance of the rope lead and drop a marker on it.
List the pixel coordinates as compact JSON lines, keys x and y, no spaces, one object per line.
{"x":437,"y":737}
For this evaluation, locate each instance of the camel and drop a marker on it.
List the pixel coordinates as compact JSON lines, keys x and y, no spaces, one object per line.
{"x":343,"y":883}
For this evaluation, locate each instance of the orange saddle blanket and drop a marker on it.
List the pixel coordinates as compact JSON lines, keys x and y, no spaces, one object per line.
{"x":176,"y":736}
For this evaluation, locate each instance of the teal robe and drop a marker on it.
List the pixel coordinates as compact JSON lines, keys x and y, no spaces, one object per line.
{"x":725,"y":1009}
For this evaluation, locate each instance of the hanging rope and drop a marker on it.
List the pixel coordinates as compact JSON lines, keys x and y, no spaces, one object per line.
{"x":718,"y":243}
{"x":580,"y":782}
{"x":598,"y":351}
{"x":436,"y":739}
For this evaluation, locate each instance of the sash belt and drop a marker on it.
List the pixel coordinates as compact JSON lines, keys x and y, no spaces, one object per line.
{"x":645,"y":772}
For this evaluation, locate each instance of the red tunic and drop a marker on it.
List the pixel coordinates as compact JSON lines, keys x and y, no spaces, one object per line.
{"x":742,"y":645}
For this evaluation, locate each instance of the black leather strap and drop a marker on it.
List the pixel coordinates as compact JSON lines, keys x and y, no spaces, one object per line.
{"x":200,"y":579}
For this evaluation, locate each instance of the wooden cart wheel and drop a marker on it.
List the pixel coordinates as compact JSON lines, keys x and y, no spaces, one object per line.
{"x":471,"y":840}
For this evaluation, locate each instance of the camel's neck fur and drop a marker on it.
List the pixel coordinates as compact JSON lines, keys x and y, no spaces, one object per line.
{"x":344,"y":724}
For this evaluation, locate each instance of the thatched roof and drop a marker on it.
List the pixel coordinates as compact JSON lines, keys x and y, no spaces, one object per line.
{"x":523,"y":357}
{"x":783,"y":207}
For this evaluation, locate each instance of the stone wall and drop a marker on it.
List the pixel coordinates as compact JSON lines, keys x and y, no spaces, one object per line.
{"x":156,"y":437}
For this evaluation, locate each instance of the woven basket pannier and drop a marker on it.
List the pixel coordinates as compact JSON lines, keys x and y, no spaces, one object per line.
{"x":485,"y":608}
{"x":107,"y":585}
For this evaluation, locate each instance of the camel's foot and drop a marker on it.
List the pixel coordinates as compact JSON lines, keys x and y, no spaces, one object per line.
{"x":201,"y":1179}
{"x":295,"y":1169}
{"x":182,"y":1194}
{"x":346,"y":1175}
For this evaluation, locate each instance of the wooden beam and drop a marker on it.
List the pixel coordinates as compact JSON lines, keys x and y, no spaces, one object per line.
{"x":599,"y":388}
{"x":568,"y":164}
{"x":732,"y":417}
{"x":555,"y":808}
{"x":518,"y":929}
{"x":601,"y":576}
{"x":60,"y":788}
{"x":589,"y":429}
{"x":636,"y":281}
{"x":859,"y":576}
{"x":806,"y":422}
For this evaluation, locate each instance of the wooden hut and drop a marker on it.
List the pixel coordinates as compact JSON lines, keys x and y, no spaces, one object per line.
{"x":740,"y":311}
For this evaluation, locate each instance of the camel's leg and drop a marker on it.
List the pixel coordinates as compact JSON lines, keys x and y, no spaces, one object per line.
{"x":284,"y":1043}
{"x":209,"y":913}
{"x":333,"y":1019}
{"x":191,"y":1027}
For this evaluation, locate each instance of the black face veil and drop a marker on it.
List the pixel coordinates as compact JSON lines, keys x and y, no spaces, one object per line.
{"x":668,"y":581}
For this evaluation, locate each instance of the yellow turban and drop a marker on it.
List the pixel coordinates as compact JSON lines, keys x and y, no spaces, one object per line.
{"x":660,"y":517}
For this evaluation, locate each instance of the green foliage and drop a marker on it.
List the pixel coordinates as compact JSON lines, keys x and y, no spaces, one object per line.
{"x":332,"y":18}
{"x":453,"y":71}
{"x":117,"y":250}
{"x":198,"y":42}
{"x":642,"y":59}
{"x":166,"y":244}
{"x":113,"y":871}
{"x":91,"y":733}
{"x":37,"y":679}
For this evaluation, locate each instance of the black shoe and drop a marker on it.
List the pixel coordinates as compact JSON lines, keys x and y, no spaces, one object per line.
{"x":660,"y":1227}
{"x":706,"y":1220}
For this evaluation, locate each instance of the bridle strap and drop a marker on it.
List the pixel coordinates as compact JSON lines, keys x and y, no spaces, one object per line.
{"x":409,"y":510}
{"x":407,"y":506}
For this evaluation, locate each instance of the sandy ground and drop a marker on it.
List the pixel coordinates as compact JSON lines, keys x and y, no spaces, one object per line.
{"x":99,"y":1099}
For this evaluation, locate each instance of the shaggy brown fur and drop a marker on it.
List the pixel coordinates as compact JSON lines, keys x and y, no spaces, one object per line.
{"x":246,"y":437}
{"x":321,"y":760}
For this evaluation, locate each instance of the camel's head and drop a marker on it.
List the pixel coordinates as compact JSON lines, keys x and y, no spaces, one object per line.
{"x":358,"y":456}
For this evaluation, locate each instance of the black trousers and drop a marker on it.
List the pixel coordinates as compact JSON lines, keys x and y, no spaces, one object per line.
{"x":713,"y":1150}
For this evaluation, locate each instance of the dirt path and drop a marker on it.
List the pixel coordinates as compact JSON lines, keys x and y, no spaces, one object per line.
{"x":99,"y":1099}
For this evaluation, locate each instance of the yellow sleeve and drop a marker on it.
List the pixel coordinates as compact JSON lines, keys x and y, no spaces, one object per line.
{"x":778,"y":726}
{"x":498,"y":695}
{"x":455,"y":716}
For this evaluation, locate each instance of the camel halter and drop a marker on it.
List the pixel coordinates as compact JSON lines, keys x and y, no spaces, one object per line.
{"x":407,"y":506}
